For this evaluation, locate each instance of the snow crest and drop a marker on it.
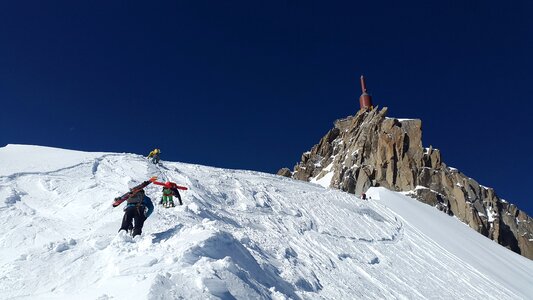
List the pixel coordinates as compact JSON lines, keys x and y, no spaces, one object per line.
{"x":239,"y":235}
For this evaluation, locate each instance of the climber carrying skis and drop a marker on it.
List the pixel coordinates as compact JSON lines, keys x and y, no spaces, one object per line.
{"x":154,"y":154}
{"x":138,"y":209}
{"x":170,"y":189}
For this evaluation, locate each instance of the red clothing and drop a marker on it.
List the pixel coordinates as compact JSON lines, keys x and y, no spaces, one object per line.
{"x":170,"y":185}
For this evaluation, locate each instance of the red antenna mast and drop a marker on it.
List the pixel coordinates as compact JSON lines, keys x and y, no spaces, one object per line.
{"x":365,"y":101}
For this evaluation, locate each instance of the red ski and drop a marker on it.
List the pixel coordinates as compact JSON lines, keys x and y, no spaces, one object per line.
{"x":168,"y":184}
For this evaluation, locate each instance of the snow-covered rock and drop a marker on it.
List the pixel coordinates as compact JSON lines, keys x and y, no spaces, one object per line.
{"x":369,"y":149}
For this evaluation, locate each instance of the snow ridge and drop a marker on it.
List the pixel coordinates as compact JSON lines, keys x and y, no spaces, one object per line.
{"x":239,"y":235}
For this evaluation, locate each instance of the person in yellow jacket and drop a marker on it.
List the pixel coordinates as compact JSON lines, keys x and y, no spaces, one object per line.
{"x":154,"y":155}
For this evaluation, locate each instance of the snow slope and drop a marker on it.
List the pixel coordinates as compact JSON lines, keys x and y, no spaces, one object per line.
{"x":240,"y":235}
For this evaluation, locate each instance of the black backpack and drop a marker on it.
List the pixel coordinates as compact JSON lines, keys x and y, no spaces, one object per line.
{"x":136,"y":198}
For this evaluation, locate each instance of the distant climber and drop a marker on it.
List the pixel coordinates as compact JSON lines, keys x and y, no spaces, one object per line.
{"x":154,"y":155}
{"x":363,"y":196}
{"x":170,"y":189}
{"x":138,"y":209}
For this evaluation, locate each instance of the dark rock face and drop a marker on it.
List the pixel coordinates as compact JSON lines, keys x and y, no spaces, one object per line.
{"x":369,"y":149}
{"x":285,"y":172}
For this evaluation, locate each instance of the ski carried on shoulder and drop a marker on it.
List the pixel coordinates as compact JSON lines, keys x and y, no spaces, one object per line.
{"x":118,"y":200}
{"x":173,"y":187}
{"x":170,"y":185}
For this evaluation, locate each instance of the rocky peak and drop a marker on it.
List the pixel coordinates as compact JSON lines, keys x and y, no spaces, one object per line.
{"x":369,"y":149}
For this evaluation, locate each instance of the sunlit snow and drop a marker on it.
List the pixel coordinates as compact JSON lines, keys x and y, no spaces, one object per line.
{"x":239,"y":235}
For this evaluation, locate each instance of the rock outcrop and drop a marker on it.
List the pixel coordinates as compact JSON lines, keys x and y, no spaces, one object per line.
{"x":369,"y":149}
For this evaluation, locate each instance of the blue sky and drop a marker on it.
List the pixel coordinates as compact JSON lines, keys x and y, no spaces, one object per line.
{"x":253,"y":85}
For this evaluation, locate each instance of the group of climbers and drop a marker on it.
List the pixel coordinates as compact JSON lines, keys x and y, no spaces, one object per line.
{"x":139,"y":206}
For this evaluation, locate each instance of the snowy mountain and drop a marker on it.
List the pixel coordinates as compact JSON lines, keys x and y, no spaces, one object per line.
{"x":371,"y":150}
{"x":239,"y":235}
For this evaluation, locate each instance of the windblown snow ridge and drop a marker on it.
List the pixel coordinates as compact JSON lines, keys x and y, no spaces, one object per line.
{"x":239,"y":235}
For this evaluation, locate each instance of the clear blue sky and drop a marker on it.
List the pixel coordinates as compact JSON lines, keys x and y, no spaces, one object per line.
{"x":254,"y":84}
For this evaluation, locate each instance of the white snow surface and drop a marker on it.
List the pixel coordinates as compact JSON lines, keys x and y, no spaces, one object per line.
{"x":239,"y":235}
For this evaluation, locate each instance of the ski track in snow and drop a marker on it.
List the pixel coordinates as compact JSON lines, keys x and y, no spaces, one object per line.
{"x":239,"y":235}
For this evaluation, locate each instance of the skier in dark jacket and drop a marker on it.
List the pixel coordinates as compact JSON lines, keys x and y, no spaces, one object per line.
{"x":138,"y":209}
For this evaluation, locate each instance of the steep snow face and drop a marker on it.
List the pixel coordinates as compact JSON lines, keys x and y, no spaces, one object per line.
{"x":239,"y":234}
